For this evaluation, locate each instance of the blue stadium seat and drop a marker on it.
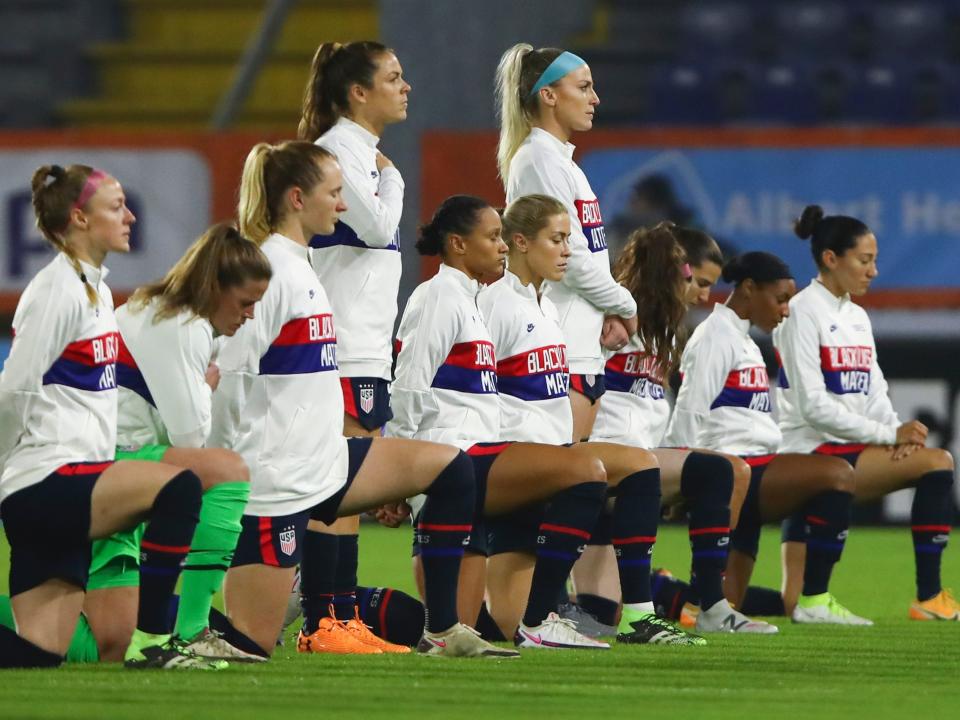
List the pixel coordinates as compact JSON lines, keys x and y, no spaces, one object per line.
{"x":681,"y":94}
{"x":784,"y":93}
{"x":908,"y":28}
{"x":717,"y":28}
{"x":811,"y":29}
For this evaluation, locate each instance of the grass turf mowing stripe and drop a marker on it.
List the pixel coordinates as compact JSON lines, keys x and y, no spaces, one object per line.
{"x":816,"y":671}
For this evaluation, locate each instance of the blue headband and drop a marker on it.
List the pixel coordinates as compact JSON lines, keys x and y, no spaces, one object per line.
{"x":564,"y":63}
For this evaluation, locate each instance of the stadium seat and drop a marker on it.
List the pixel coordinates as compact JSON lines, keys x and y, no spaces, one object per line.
{"x":709,"y":30}
{"x":907,"y":29}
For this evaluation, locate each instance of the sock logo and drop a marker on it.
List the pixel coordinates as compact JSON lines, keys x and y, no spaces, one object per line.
{"x":940,"y":539}
{"x":843,"y":535}
{"x":723,"y":542}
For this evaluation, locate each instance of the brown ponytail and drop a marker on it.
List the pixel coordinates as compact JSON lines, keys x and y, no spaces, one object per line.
{"x":334,"y":70}
{"x":651,"y":268}
{"x":55,"y":190}
{"x":220,"y":259}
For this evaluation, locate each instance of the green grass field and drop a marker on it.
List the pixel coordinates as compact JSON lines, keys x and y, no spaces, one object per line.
{"x":896,"y":669}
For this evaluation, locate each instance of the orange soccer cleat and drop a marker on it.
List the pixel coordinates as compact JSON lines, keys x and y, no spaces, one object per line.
{"x":360,"y":631}
{"x":942,"y":606}
{"x":332,"y":636}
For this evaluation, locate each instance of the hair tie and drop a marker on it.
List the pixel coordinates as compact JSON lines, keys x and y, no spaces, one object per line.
{"x":563,"y":64}
{"x":83,"y":277}
{"x":686,"y":271}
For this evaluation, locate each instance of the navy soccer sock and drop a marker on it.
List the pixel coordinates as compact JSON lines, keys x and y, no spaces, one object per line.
{"x":166,"y":541}
{"x":828,"y":518}
{"x":794,"y":528}
{"x":443,"y":528}
{"x":345,"y":578}
{"x":391,"y":614}
{"x":221,"y":623}
{"x":317,"y":572}
{"x":706,"y":482}
{"x":762,"y":601}
{"x":603,"y":609}
{"x":930,"y":519}
{"x":635,"y":515}
{"x":487,"y":626}
{"x":17,"y":652}
{"x":670,"y":594}
{"x":563,"y":533}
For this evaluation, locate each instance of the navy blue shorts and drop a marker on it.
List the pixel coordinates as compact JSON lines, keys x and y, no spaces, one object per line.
{"x":591,"y":387}
{"x":745,"y":537}
{"x":48,"y":527}
{"x":275,"y":541}
{"x":367,"y":400}
{"x":848,"y":451}
{"x":278,"y":540}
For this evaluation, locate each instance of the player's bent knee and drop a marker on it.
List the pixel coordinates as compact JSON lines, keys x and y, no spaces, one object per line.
{"x":223,"y":466}
{"x":841,"y":477}
{"x":940,"y":459}
{"x":642,"y":460}
{"x":586,"y":469}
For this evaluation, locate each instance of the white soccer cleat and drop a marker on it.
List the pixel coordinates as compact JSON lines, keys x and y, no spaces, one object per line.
{"x":461,"y":641}
{"x":555,"y":633}
{"x":824,"y":609}
{"x":210,"y":645}
{"x":721,"y":618}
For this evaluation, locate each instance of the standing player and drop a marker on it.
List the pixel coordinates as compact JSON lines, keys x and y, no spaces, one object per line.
{"x":354,"y":92}
{"x":653,"y":266}
{"x":532,"y":388}
{"x":280,"y":406}
{"x":60,"y":486}
{"x":724,"y":405}
{"x":544,"y":97}
{"x":833,"y":401}
{"x":165,"y":379}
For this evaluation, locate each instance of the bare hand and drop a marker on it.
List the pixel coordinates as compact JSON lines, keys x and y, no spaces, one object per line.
{"x":902,"y":451}
{"x":615,"y":334}
{"x":212,"y":376}
{"x":383,"y":161}
{"x":911,"y":433}
{"x":392,"y":514}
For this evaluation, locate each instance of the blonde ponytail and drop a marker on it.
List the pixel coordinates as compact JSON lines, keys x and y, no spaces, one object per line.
{"x":268,"y":172}
{"x":252,"y":211}
{"x":517,"y":108}
{"x":514,"y":125}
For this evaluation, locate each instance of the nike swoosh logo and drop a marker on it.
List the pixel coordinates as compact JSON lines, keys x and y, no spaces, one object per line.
{"x":533,"y":638}
{"x":438,"y":643}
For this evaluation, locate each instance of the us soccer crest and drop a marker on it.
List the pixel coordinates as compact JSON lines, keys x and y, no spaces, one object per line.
{"x":366,"y":399}
{"x":288,"y":541}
